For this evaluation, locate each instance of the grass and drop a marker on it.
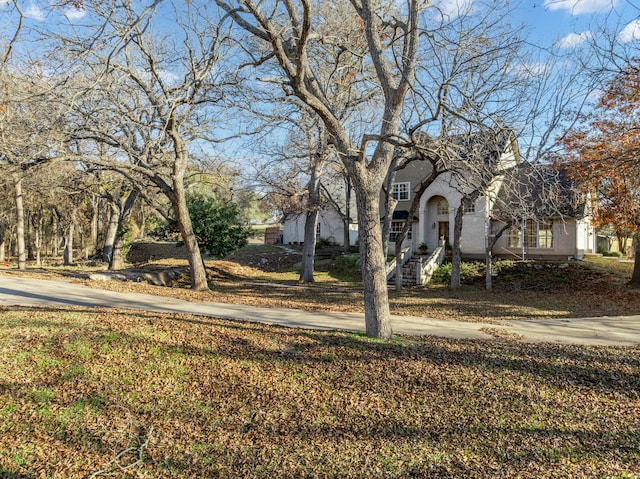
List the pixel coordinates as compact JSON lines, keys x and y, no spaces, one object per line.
{"x":114,"y":393}
{"x":521,"y":290}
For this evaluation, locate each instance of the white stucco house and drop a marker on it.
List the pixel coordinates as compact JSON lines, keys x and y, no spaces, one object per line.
{"x":547,"y":220}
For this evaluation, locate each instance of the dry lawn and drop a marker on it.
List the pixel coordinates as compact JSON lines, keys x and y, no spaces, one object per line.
{"x":106,"y":393}
{"x":267,"y":276}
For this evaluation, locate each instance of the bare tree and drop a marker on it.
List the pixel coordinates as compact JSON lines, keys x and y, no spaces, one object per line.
{"x":30,"y":133}
{"x":147,"y":96}
{"x":391,"y":44}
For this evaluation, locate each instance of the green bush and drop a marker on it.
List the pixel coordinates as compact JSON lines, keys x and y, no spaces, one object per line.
{"x":216,"y":224}
{"x":323,"y":243}
{"x":612,"y":254}
{"x":348,"y":264}
{"x":470,"y":271}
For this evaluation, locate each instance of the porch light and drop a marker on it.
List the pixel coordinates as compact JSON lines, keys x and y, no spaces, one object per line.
{"x":433,"y":226}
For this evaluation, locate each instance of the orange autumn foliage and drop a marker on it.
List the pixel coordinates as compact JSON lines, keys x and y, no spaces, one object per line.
{"x":604,"y":153}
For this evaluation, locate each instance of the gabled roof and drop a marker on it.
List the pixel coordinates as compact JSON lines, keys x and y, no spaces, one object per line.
{"x":486,"y":146}
{"x":538,"y":191}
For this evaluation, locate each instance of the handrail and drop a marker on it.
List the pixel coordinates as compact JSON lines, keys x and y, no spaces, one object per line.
{"x":406,"y":255}
{"x":425,"y":270}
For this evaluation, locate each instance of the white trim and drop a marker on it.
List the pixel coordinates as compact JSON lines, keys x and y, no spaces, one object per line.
{"x":401,"y":191}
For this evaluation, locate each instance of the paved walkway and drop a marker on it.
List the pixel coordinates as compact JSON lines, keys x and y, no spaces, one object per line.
{"x":606,"y":331}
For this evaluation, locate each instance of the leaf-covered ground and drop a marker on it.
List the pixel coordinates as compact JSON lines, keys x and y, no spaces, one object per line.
{"x":267,"y":276}
{"x":112,"y":393}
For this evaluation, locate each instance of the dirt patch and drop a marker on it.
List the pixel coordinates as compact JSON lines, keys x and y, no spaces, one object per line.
{"x":149,"y":251}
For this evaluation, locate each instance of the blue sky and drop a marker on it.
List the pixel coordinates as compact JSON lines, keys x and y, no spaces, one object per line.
{"x":567,"y":23}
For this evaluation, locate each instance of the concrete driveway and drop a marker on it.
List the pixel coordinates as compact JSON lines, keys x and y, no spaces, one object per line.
{"x":605,"y":331}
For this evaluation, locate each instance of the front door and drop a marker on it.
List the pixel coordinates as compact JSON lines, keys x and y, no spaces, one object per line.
{"x":443,"y":231}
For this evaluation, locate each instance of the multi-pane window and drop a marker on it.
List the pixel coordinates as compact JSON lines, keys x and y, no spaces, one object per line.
{"x":443,"y":207}
{"x":396,"y":229}
{"x":470,"y":208}
{"x":537,"y":234}
{"x":401,"y":191}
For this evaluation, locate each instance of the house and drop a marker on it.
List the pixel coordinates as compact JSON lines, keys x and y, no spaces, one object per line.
{"x":547,"y":218}
{"x":331,"y":217}
{"x":543,"y":217}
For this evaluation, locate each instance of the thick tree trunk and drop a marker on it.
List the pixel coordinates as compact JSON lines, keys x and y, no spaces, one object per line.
{"x":117,"y":259}
{"x":309,"y":247}
{"x":21,"y":253}
{"x":635,"y":276}
{"x":456,"y":256}
{"x":374,"y":278}
{"x":196,"y":264}
{"x":112,"y":232}
{"x":178,"y":198}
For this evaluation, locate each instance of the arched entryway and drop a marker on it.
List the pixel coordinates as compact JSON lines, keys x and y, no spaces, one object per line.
{"x":437,"y":221}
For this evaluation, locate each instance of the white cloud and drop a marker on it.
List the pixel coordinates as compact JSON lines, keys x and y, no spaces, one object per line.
{"x":576,"y":7}
{"x":630,"y":32}
{"x":530,"y":70}
{"x":3,"y":3}
{"x":454,"y":8}
{"x":75,"y":13}
{"x":35,"y":12}
{"x":574,"y":40}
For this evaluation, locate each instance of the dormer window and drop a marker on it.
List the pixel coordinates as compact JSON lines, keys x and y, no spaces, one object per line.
{"x":401,"y":191}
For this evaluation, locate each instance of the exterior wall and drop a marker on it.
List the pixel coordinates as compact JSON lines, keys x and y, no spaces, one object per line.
{"x":586,"y":238}
{"x":565,"y":243}
{"x":331,"y":228}
{"x":473,"y":224}
{"x":414,"y":173}
{"x":293,"y":229}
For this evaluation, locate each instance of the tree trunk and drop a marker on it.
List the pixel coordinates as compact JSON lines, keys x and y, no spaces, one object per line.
{"x":55,"y":239}
{"x":389,"y":207}
{"x":3,"y":244}
{"x":491,"y":242}
{"x":311,"y":223}
{"x":93,"y":239}
{"x":309,"y":247}
{"x":29,"y":237}
{"x":622,"y":243}
{"x":117,"y":258}
{"x":488,"y":274}
{"x":68,"y":243}
{"x":374,"y":278}
{"x":346,"y":238}
{"x":22,"y":258}
{"x":456,"y":256}
{"x":142,"y":227}
{"x":399,"y":260}
{"x":635,"y":276}
{"x":38,"y":238}
{"x":112,"y":231}
{"x":198,"y":273}
{"x":178,"y":198}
